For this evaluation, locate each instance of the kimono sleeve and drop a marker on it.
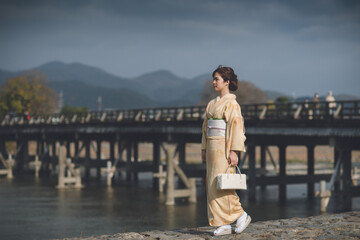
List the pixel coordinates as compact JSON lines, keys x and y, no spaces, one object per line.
{"x":235,"y":130}
{"x":204,"y":128}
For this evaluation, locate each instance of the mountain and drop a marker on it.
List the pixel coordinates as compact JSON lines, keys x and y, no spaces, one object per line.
{"x":59,"y":71}
{"x":165,"y":86}
{"x":158,"y":86}
{"x":76,"y":93}
{"x":82,"y":85}
{"x":158,"y":79}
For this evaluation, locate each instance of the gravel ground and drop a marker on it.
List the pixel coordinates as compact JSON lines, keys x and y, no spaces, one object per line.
{"x":329,"y":226}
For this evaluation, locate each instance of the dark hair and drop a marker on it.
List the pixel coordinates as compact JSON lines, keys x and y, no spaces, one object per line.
{"x":227,"y":73}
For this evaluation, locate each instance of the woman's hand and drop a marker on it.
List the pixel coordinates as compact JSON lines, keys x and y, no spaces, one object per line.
{"x":203,"y":156}
{"x":233,"y":158}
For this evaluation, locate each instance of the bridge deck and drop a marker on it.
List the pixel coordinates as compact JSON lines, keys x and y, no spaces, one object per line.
{"x":297,"y":123}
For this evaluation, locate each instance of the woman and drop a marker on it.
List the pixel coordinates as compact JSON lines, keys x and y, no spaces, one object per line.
{"x":223,"y":137}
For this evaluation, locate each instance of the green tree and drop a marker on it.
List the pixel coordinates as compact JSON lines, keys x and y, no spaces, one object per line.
{"x":282,"y":99}
{"x":27,"y":93}
{"x":68,"y":110}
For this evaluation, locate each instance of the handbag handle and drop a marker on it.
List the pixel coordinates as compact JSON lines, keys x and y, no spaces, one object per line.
{"x":228,"y":168}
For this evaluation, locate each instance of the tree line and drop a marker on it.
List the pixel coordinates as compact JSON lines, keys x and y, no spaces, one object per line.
{"x":30,"y":94}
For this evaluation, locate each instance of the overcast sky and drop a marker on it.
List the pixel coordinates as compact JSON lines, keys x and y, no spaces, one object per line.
{"x":290,"y":46}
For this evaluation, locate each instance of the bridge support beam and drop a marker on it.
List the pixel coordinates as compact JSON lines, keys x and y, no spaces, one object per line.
{"x":76,"y":152}
{"x":310,"y":170}
{"x":87,"y":159}
{"x":182,"y":153}
{"x":46,"y":159}
{"x":53,"y":156}
{"x":40,"y":151}
{"x":136,"y":159}
{"x":22,"y":155}
{"x":98,"y":157}
{"x":156,"y":163}
{"x":3,"y":149}
{"x":128,"y":159}
{"x":190,"y":183}
{"x":68,"y":149}
{"x":336,"y":159}
{"x":252,"y":176}
{"x":263,"y":163}
{"x":282,"y":172}
{"x":120,"y":150}
{"x":346,"y":180}
{"x":182,"y":160}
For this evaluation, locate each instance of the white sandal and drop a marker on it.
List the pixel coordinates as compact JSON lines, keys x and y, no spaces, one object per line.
{"x":223,"y":230}
{"x":242,"y":223}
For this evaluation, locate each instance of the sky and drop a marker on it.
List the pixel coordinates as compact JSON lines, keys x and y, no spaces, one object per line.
{"x":295,"y":47}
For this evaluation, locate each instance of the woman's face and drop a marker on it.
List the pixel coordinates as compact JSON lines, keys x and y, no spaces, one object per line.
{"x":218,"y":83}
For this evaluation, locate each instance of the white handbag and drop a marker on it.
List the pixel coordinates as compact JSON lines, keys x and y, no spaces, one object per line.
{"x":231,"y":180}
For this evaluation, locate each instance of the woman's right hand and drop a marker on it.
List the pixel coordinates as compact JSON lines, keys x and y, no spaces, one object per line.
{"x":203,"y":156}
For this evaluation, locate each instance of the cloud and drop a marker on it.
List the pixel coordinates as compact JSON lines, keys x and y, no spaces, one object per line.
{"x":279,"y":45}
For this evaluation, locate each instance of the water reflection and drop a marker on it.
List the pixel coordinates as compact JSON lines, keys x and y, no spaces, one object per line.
{"x":45,"y":212}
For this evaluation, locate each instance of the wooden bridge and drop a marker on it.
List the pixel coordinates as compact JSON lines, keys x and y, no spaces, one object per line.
{"x":269,"y":124}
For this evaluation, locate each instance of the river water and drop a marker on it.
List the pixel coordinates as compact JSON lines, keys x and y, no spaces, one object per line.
{"x":35,"y":209}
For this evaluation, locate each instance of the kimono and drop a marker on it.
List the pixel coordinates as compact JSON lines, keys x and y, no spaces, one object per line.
{"x":224,"y":206}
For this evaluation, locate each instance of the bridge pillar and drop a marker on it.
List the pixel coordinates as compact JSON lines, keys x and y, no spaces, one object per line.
{"x":156,"y":163}
{"x":310,"y":170}
{"x":112,"y":151}
{"x":22,"y":155}
{"x":112,"y":155}
{"x":182,"y":160}
{"x":46,"y":158}
{"x":18,"y":160}
{"x":346,"y":180}
{"x":120,"y":148}
{"x":263,"y":163}
{"x":38,"y":147}
{"x":76,"y":147}
{"x":41,"y":153}
{"x":128,"y":159}
{"x":98,"y":158}
{"x":336,"y":159}
{"x":53,"y":155}
{"x":68,"y":149}
{"x":87,"y":159}
{"x":3,"y":149}
{"x":252,"y":175}
{"x":136,"y":156}
{"x":282,"y":172}
{"x":182,"y":154}
{"x":25,"y":152}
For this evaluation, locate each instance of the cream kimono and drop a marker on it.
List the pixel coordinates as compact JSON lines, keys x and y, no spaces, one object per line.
{"x":223,"y":205}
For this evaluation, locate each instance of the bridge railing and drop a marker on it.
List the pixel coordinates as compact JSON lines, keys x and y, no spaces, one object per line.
{"x":302,"y":110}
{"x":263,"y":111}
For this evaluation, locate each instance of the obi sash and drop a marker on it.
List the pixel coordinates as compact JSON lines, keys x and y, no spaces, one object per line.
{"x":216,"y":127}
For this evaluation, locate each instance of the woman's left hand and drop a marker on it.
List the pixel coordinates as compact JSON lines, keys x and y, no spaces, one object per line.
{"x":233,"y":158}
